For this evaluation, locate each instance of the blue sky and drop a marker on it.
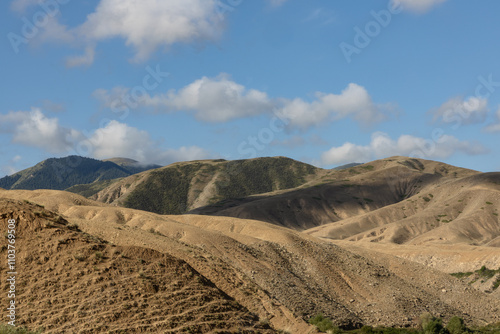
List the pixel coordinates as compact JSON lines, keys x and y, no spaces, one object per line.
{"x":325,"y":82}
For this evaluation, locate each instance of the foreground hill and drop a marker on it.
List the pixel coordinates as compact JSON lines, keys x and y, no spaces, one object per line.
{"x":76,"y":282}
{"x":180,"y":187}
{"x":281,"y":276}
{"x":63,"y":173}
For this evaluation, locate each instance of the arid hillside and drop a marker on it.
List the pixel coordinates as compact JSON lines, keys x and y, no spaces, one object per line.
{"x":70,"y":281}
{"x":215,"y":273}
{"x":339,"y":195}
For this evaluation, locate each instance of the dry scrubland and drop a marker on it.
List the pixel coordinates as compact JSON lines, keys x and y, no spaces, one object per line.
{"x":370,"y":245}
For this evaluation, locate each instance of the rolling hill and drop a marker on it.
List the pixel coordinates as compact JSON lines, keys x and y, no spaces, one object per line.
{"x":102,"y":268}
{"x":180,"y":187}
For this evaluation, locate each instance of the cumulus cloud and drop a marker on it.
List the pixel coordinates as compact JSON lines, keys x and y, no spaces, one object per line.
{"x":494,"y":127}
{"x":214,"y":100}
{"x":121,"y":140}
{"x":33,"y":128}
{"x":382,"y":145}
{"x":354,"y":102}
{"x":460,"y":111}
{"x":417,"y":6}
{"x":221,"y":99}
{"x":147,"y":25}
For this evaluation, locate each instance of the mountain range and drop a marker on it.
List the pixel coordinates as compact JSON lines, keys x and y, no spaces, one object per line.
{"x":258,"y":246}
{"x":63,"y":173}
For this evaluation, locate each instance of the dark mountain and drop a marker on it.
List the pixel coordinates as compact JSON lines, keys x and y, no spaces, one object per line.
{"x":63,"y":173}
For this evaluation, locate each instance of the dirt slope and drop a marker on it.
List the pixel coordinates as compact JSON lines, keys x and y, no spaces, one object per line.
{"x":282,"y":276}
{"x":464,"y":210}
{"x":340,"y":195}
{"x":72,"y":282}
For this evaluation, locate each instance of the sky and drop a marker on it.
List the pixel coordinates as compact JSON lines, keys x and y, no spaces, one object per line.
{"x":324,"y":82}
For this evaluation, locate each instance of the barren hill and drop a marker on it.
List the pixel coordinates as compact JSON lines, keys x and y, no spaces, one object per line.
{"x":71,"y":281}
{"x":267,"y":272}
{"x":339,"y":195}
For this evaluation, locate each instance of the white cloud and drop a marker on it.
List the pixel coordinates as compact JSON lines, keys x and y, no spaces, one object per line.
{"x":220,"y":100}
{"x":382,"y":145}
{"x":147,"y":25}
{"x":144,"y":25}
{"x":213,"y":100}
{"x":460,"y":111}
{"x":494,"y":127}
{"x":53,"y":31}
{"x":418,"y":6}
{"x":354,"y":101}
{"x":83,"y":60}
{"x":120,"y":140}
{"x":33,"y":128}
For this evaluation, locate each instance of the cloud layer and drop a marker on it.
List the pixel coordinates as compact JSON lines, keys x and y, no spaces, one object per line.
{"x":34,"y":129}
{"x":460,"y":111}
{"x":382,"y":145}
{"x":221,"y":99}
{"x":147,"y":25}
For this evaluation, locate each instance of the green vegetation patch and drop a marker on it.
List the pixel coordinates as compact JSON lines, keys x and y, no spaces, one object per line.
{"x":8,"y":329}
{"x":484,"y":274}
{"x":323,"y":324}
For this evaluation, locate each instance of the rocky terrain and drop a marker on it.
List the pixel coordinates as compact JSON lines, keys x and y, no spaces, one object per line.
{"x":257,"y":273}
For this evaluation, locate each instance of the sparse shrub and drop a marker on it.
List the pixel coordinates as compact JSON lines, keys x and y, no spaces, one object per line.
{"x":456,"y":325}
{"x":489,"y":203}
{"x":99,"y":256}
{"x":323,"y":324}
{"x":427,"y":199}
{"x":366,"y":330}
{"x":79,"y":257}
{"x":431,"y":324}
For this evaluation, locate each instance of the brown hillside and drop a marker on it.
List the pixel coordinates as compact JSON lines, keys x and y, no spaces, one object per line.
{"x":464,"y":210}
{"x":70,"y":281}
{"x":283,"y":276}
{"x":340,"y":195}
